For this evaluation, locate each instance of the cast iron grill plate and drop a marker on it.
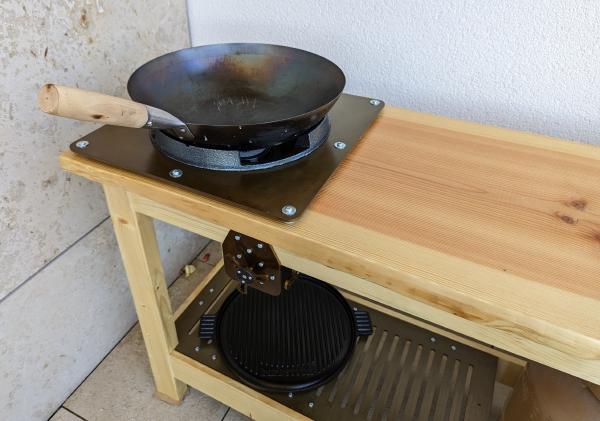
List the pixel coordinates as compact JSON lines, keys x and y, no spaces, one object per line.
{"x":295,"y":341}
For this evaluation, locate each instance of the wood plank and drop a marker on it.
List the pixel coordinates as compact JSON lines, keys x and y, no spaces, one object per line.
{"x":491,"y":132}
{"x":190,"y":298}
{"x":528,"y":211}
{"x":487,"y":232}
{"x":229,"y":391}
{"x":139,"y":251}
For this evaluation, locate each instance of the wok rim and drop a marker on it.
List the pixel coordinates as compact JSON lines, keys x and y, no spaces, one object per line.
{"x":327,"y":105}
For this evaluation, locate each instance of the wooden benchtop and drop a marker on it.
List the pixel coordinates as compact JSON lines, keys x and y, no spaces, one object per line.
{"x":489,"y":232}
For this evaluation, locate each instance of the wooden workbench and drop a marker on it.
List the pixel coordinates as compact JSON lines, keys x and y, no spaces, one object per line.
{"x":490,"y":233}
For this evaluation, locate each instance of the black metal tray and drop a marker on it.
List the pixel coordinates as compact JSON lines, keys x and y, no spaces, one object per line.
{"x":400,"y":372}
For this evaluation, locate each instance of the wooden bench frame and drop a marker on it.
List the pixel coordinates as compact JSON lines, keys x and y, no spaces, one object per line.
{"x":527,"y":311}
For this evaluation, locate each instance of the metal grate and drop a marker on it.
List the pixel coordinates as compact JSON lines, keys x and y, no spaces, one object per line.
{"x":396,"y":377}
{"x":401,"y":372}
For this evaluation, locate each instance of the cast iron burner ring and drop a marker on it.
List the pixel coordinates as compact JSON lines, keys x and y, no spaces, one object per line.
{"x":234,"y":160}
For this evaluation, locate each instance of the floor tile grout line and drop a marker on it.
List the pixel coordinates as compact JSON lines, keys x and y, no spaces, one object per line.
{"x":226,"y":412}
{"x":49,"y":262}
{"x":120,"y":340}
{"x":74,"y":413}
{"x":97,"y":365}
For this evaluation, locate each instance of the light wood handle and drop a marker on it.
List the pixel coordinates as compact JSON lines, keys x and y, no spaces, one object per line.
{"x":91,"y":106}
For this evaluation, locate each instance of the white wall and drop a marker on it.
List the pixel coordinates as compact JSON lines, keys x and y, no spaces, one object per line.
{"x":529,"y":65}
{"x":64,"y":300}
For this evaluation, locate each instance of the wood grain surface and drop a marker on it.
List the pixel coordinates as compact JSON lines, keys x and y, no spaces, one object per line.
{"x":79,"y":104}
{"x":488,"y":232}
{"x":512,"y":207}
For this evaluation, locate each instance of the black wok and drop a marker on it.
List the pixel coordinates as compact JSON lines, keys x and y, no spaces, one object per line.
{"x":224,"y":96}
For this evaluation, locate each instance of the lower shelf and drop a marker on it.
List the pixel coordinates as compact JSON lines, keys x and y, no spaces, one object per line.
{"x":400,"y":372}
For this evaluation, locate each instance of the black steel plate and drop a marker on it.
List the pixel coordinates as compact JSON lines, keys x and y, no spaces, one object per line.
{"x":264,"y":191}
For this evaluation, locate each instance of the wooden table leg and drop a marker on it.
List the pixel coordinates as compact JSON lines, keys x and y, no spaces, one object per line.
{"x":139,"y":251}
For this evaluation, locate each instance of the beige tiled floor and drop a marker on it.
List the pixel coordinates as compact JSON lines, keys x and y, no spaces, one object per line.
{"x":63,"y":415}
{"x":121,"y":387}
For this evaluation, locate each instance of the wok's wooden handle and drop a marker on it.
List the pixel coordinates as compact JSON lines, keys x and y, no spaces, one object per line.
{"x":84,"y":105}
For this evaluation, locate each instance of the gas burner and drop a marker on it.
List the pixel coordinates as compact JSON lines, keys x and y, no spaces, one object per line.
{"x":279,"y":182}
{"x":286,"y":151}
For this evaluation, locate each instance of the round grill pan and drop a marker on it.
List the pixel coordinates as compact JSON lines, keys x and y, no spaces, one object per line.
{"x":292,"y":342}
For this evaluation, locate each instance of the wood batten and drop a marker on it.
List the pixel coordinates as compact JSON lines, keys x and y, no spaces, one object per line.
{"x":229,"y":391}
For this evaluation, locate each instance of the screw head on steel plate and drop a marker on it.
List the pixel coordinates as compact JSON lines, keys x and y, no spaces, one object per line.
{"x":288,"y":210}
{"x":176,"y":173}
{"x":339,"y":145}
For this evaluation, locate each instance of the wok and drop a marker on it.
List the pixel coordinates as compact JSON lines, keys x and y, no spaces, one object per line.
{"x":223,"y":96}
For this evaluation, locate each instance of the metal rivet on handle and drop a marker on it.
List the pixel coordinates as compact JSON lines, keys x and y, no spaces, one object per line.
{"x":288,"y":210}
{"x":237,"y":237}
{"x":375,"y":102}
{"x":176,"y":173}
{"x":311,"y":404}
{"x":197,"y":349}
{"x":82,"y":144}
{"x":259,"y":245}
{"x":290,"y":395}
{"x":453,"y":347}
{"x":432,"y":339}
{"x":213,"y":357}
{"x":339,"y":145}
